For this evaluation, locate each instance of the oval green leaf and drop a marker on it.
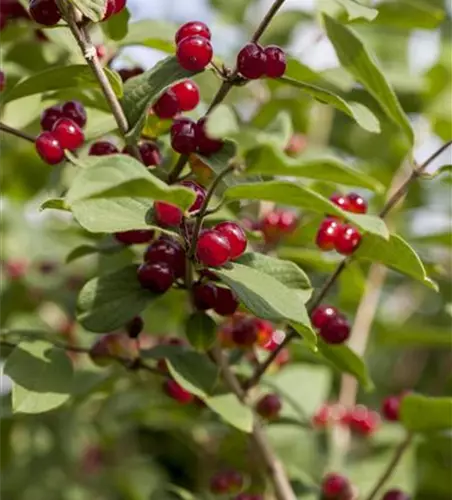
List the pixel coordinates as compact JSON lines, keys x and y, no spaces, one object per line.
{"x":424,"y":414}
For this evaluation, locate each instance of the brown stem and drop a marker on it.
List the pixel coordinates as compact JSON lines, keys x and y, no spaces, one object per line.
{"x":267,"y":19}
{"x":17,"y":133}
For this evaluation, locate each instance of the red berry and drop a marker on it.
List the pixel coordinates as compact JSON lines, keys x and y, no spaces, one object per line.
{"x":192,"y":28}
{"x":126,"y":74}
{"x":68,"y":133}
{"x":50,"y":116}
{"x":347,"y":239}
{"x":227,"y":303}
{"x":169,"y":252}
{"x":226,"y":482}
{"x":119,"y":5}
{"x":297,"y":143}
{"x":362,"y":421}
{"x":252,"y":61}
{"x":49,"y":149}
{"x":323,"y":416}
{"x":135,"y":236}
{"x":269,"y":406}
{"x":167,"y":215}
{"x":335,"y":331}
{"x":204,"y":295}
{"x":327,"y":234}
{"x":109,"y":9}
{"x":336,"y":487}
{"x":101,"y":51}
{"x":175,"y":391}
{"x":356,"y":203}
{"x":248,"y":496}
{"x":156,"y":276}
{"x":102,"y":148}
{"x":212,"y":248}
{"x":236,"y":237}
{"x":44,"y":12}
{"x":150,"y":154}
{"x":2,"y":81}
{"x":200,"y":194}
{"x":278,"y":223}
{"x":134,"y":327}
{"x":322,"y":315}
{"x":75,"y":111}
{"x":183,"y":136}
{"x":205,"y":144}
{"x":187,"y":93}
{"x":276,"y":61}
{"x":167,"y":105}
{"x":245,"y":332}
{"x":391,"y":408}
{"x":395,"y":494}
{"x":194,"y":53}
{"x":341,"y":201}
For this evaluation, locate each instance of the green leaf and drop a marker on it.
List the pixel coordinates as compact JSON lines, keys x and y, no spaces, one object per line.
{"x":443,"y":238}
{"x":410,"y":14}
{"x":142,"y":91}
{"x":396,"y":254}
{"x":267,"y":297}
{"x":414,"y":334}
{"x":81,"y":251}
{"x":42,"y":377}
{"x":232,"y":411}
{"x":424,"y":414}
{"x":290,"y":193}
{"x":268,"y":160}
{"x":63,"y":77}
{"x":116,"y":27}
{"x":108,"y":302}
{"x":201,"y":330}
{"x":356,"y":10}
{"x":362,"y":115}
{"x":92,"y":9}
{"x":154,"y":34}
{"x":222,"y":122}
{"x":354,"y":56}
{"x":219,"y":160}
{"x":55,"y":204}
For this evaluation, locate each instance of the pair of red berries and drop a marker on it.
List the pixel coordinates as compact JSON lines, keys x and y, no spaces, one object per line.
{"x":226,"y":482}
{"x":207,"y":295}
{"x":269,"y":406}
{"x":359,"y":419}
{"x":194,"y":50}
{"x":62,"y":125}
{"x":244,"y":330}
{"x":255,"y":61}
{"x":332,"y":326}
{"x":277,"y":224}
{"x":188,"y":136}
{"x":149,"y":151}
{"x":183,"y":96}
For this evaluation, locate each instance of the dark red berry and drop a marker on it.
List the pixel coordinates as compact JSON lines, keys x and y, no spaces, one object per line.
{"x":327,"y":234}
{"x":276,"y":61}
{"x":336,"y":487}
{"x":156,"y":276}
{"x":361,"y":420}
{"x":204,"y":295}
{"x":347,"y":239}
{"x":187,"y":93}
{"x":245,"y":332}
{"x":227,"y":303}
{"x":341,"y":201}
{"x":50,"y":116}
{"x":102,"y":148}
{"x":395,"y":494}
{"x":194,"y":53}
{"x":236,"y":237}
{"x":248,"y":496}
{"x":277,"y":224}
{"x":135,"y":236}
{"x":119,"y":5}
{"x":183,"y":136}
{"x":49,"y":149}
{"x":226,"y":482}
{"x":322,"y":315}
{"x":150,"y":154}
{"x":205,"y":144}
{"x":68,"y":133}
{"x":175,"y":391}
{"x":75,"y":111}
{"x":356,"y":203}
{"x":269,"y":406}
{"x":127,"y":73}
{"x":391,"y":408}
{"x":212,"y":248}
{"x":109,"y":9}
{"x":200,"y":194}
{"x":2,"y":81}
{"x":167,"y":215}
{"x":167,"y":105}
{"x":44,"y":12}
{"x":134,"y":327}
{"x":252,"y":61}
{"x":335,"y":331}
{"x":169,"y":252}
{"x":192,"y":28}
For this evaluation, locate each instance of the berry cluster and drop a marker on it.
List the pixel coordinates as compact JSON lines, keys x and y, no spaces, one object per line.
{"x":277,"y":224}
{"x":62,"y":129}
{"x":194,"y":50}
{"x":9,"y":10}
{"x":336,"y":487}
{"x":269,"y":406}
{"x":182,"y":96}
{"x":188,"y":136}
{"x":334,"y":234}
{"x":360,"y":419}
{"x":226,"y":482}
{"x":149,"y":151}
{"x":255,"y":61}
{"x":390,"y":407}
{"x":332,"y":326}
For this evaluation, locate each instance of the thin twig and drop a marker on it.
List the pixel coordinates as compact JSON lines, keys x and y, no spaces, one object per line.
{"x":17,"y":133}
{"x":267,"y":19}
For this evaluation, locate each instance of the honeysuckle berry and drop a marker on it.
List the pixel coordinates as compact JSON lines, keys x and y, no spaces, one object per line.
{"x":341,"y":201}
{"x":135,"y":236}
{"x":327,"y":234}
{"x":49,"y":149}
{"x":236,"y":237}
{"x":150,"y":154}
{"x":194,"y":53}
{"x":166,"y":214}
{"x":127,"y":73}
{"x":347,"y":239}
{"x":212,"y":248}
{"x":335,"y":331}
{"x":176,"y":392}
{"x":361,"y":420}
{"x":134,"y":327}
{"x":252,"y":61}
{"x":206,"y":145}
{"x":155,"y":276}
{"x":226,"y":481}
{"x":168,"y":251}
{"x":297,"y":143}
{"x":396,"y":494}
{"x":192,"y":28}
{"x":278,"y":223}
{"x":50,"y":116}
{"x":183,"y":136}
{"x":68,"y":134}
{"x":167,"y":105}
{"x":44,"y":12}
{"x":269,"y":406}
{"x":244,"y":332}
{"x":113,"y":7}
{"x":187,"y":93}
{"x":102,"y":148}
{"x":356,"y":203}
{"x":200,"y":194}
{"x":336,"y":487}
{"x":227,"y":302}
{"x":322,"y":314}
{"x":75,"y":111}
{"x":391,"y":408}
{"x":275,"y":61}
{"x":323,"y":416}
{"x":204,"y":295}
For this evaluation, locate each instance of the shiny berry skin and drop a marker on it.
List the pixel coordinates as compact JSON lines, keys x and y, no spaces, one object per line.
{"x":252,"y":61}
{"x":192,"y":28}
{"x":167,"y":105}
{"x":356,"y":203}
{"x":335,"y":331}
{"x":341,"y":201}
{"x":327,"y":234}
{"x":155,"y":276}
{"x":135,"y":236}
{"x":194,"y":53}
{"x":169,"y":252}
{"x":322,"y":314}
{"x":49,"y":149}
{"x":167,"y":215}
{"x":50,"y":116}
{"x":75,"y":111}
{"x":212,"y":248}
{"x":2,"y":80}
{"x":205,"y":144}
{"x":391,"y":408}
{"x":183,"y":136}
{"x":150,"y":154}
{"x":68,"y":133}
{"x":347,"y":239}
{"x":200,"y":194}
{"x":175,"y":391}
{"x":187,"y":93}
{"x":336,"y":487}
{"x":204,"y":295}
{"x":102,"y":148}
{"x":276,"y":61}
{"x":227,"y":303}
{"x":134,"y":327}
{"x":269,"y":406}
{"x":245,"y":332}
{"x":44,"y":12}
{"x":236,"y":237}
{"x":395,"y":494}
